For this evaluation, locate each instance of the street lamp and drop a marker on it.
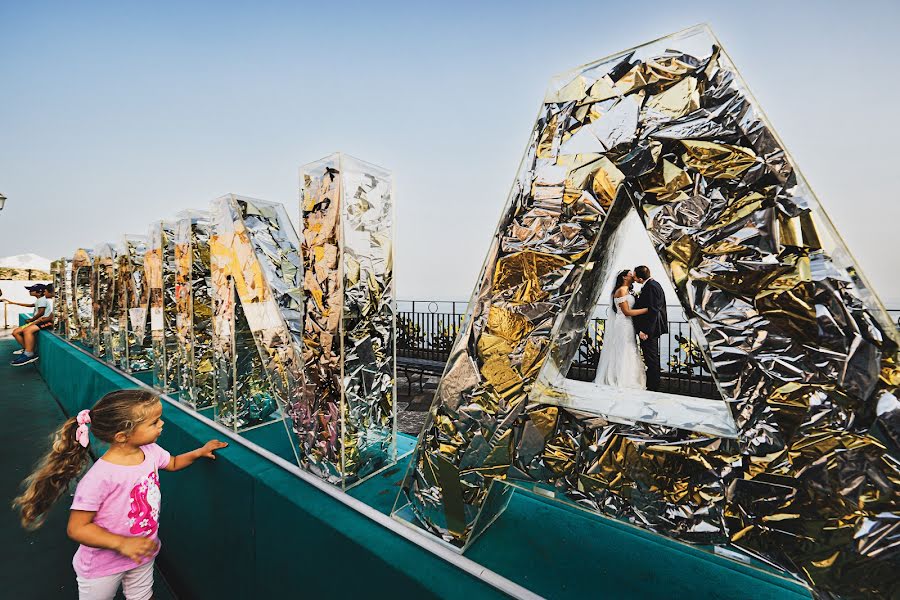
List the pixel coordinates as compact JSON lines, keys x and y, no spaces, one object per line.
{"x":2,"y":201}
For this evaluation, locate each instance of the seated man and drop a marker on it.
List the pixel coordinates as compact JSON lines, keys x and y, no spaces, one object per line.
{"x":42,"y":319}
{"x":36,"y":291}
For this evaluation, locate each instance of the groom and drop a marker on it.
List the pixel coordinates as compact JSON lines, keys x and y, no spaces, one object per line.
{"x":651,"y":324}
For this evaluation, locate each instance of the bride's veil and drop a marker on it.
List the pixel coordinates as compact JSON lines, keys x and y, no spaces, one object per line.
{"x":610,"y":267}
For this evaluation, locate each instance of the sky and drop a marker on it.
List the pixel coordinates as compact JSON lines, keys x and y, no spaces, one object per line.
{"x":115,"y":114}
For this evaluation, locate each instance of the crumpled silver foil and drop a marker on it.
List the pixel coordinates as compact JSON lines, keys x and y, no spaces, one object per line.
{"x":257,"y":310}
{"x":134,"y":344}
{"x":103,"y":286}
{"x":346,"y":418}
{"x":159,"y":266}
{"x":61,"y":271}
{"x":193,"y":310}
{"x":796,"y":339}
{"x":81,"y":329}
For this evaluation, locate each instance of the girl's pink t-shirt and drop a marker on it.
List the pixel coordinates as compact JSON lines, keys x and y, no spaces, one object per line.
{"x":127,"y":501}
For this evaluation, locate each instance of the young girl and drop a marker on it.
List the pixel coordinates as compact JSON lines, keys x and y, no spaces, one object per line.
{"x":115,"y":513}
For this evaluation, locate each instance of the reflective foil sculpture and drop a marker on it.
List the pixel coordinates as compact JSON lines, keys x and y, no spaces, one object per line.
{"x":55,"y":274}
{"x":103,"y":285}
{"x":159,"y":266}
{"x":193,"y":319}
{"x":346,"y":418}
{"x":257,"y":310}
{"x":61,"y":271}
{"x":133,"y":344}
{"x":81,"y":329}
{"x":800,"y":348}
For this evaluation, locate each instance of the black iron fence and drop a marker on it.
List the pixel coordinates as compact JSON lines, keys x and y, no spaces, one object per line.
{"x":426,"y":331}
{"x":427,"y":335}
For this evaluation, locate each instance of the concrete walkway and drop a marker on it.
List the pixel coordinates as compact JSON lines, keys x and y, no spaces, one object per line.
{"x":33,"y":565}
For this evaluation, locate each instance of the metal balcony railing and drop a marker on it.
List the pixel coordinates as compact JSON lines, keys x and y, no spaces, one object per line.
{"x":427,"y":329}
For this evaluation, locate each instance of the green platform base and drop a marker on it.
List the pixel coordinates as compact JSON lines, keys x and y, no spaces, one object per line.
{"x":244,"y":527}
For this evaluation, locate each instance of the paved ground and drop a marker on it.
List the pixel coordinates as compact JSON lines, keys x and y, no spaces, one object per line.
{"x":33,"y":565}
{"x":413,"y":408}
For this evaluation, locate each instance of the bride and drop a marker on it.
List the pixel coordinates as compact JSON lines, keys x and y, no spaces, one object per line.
{"x":620,"y":363}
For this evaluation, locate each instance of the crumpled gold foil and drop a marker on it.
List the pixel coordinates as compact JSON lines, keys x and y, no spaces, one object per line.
{"x":193,"y":310}
{"x":159,"y":266}
{"x":103,"y":294}
{"x":134,"y":343}
{"x":716,"y":161}
{"x":257,"y":311}
{"x":81,"y":325}
{"x":63,"y":316}
{"x":345,"y":420}
{"x":799,"y":345}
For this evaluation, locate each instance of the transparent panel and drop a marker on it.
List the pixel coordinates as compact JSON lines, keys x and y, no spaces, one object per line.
{"x":82,"y":281}
{"x":193,"y":319}
{"x":106,"y":276}
{"x":257,"y":308}
{"x":103,"y":287}
{"x":159,"y":266}
{"x":347,"y":421}
{"x":68,"y":301}
{"x":61,"y":271}
{"x":799,"y":347}
{"x":55,"y":269}
{"x":133,"y":296}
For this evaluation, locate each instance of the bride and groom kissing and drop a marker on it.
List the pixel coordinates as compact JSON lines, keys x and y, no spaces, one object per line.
{"x":633,"y":318}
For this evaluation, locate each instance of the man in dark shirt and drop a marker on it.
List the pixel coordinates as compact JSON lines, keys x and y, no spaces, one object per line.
{"x":652,"y":324}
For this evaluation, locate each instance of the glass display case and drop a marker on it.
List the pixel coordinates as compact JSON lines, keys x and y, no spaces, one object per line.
{"x":193,"y":305}
{"x":257,"y":310}
{"x":133,"y":345}
{"x":345,"y":419}
{"x":82,"y":322}
{"x":159,"y":267}
{"x":61,"y":272}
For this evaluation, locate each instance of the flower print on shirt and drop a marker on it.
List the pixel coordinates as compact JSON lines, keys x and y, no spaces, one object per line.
{"x":143,"y":517}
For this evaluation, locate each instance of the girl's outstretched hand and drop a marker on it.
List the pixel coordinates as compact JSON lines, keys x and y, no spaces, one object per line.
{"x":211,"y":446}
{"x":183,"y":461}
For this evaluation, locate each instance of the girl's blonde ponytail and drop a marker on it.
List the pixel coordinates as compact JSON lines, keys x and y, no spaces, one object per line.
{"x":116,"y":412}
{"x":64,"y":462}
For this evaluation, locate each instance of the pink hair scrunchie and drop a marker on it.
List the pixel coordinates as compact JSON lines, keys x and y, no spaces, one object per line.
{"x":81,"y":434}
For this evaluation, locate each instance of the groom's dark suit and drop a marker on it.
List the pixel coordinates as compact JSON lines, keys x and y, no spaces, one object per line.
{"x":654,"y":323}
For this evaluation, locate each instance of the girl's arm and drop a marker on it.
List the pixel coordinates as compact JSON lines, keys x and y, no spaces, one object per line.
{"x":183,"y":461}
{"x":83,"y":530}
{"x":19,"y":303}
{"x":630,"y":312}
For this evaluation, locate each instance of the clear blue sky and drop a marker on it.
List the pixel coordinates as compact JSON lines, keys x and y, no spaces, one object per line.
{"x":115,"y":114}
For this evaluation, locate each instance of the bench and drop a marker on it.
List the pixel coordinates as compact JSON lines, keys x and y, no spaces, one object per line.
{"x":418,"y":367}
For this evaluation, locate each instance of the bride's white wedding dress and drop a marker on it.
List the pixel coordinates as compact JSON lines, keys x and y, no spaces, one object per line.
{"x":620,"y":363}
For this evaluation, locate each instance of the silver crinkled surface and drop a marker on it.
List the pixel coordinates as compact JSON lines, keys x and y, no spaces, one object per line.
{"x":799,"y":345}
